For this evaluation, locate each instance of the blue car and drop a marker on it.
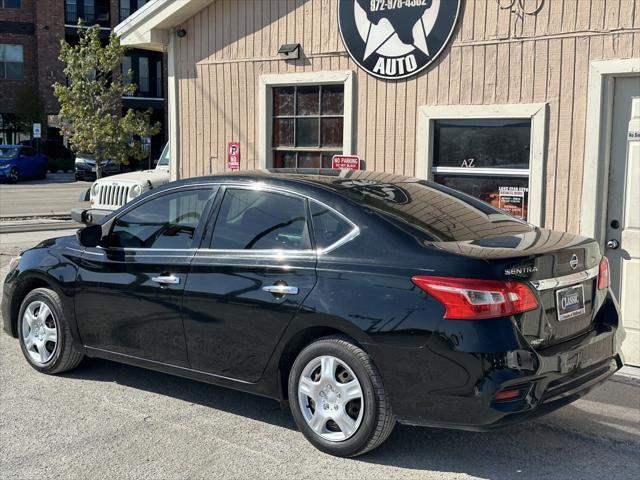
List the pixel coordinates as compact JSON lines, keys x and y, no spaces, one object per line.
{"x":18,"y":162}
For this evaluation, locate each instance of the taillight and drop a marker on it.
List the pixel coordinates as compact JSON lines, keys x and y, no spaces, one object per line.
{"x":604,"y":279}
{"x":470,"y":299}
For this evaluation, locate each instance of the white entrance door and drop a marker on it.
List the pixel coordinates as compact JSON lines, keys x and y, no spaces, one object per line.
{"x":623,"y":210}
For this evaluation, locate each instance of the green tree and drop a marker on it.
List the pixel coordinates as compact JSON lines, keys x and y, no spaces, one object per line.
{"x":91,"y":102}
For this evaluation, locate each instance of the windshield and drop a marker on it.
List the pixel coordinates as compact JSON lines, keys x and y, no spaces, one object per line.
{"x":164,"y":157}
{"x":8,"y":152}
{"x":443,"y":214}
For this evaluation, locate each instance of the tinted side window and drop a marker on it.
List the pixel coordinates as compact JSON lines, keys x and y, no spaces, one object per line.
{"x":328,"y":227}
{"x":167,"y":222}
{"x":253,"y":219}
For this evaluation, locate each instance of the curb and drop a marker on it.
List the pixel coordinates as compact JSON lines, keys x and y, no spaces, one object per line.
{"x":39,"y":227}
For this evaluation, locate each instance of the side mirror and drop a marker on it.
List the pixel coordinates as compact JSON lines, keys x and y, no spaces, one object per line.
{"x":90,"y":236}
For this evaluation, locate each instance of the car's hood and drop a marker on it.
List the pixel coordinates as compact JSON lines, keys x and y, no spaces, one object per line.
{"x":156,"y":177}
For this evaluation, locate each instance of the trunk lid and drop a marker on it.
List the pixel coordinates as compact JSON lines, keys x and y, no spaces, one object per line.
{"x":562,"y":269}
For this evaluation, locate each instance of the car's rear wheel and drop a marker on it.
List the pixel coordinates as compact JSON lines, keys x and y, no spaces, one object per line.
{"x":44,"y":334}
{"x":337,"y":398}
{"x":14,"y":175}
{"x":43,"y":174}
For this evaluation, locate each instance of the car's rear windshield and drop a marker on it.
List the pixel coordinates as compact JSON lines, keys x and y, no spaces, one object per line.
{"x":8,"y":152}
{"x":440,"y":213}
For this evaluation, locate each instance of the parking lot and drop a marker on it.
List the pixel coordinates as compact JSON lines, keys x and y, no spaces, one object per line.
{"x":54,"y":196}
{"x":113,"y":421}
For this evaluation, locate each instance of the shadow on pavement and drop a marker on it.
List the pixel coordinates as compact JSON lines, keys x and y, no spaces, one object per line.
{"x":549,"y":447}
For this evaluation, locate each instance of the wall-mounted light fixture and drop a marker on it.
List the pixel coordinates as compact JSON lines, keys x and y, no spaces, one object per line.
{"x":289,"y":51}
{"x":181,"y":33}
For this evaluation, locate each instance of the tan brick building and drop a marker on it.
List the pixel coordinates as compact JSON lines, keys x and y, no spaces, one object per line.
{"x":532,"y":105}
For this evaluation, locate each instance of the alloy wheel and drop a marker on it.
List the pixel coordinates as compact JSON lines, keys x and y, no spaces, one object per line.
{"x":14,"y":175}
{"x":39,"y":332}
{"x":331,"y":398}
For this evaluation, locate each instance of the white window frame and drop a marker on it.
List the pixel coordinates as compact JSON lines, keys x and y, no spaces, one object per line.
{"x":536,"y":112}
{"x":267,"y":82}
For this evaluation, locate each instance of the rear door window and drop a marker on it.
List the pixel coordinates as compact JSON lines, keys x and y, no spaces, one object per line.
{"x":261,"y":220}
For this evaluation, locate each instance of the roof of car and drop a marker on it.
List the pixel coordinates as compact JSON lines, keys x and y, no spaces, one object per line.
{"x":322,"y":177}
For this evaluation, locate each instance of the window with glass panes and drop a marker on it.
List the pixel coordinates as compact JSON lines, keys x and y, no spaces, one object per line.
{"x":308,"y":125}
{"x":10,"y":3}
{"x":11,"y":62}
{"x":487,"y":158}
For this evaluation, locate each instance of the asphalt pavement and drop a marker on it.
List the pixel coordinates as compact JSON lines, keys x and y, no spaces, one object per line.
{"x":106,"y":420}
{"x":55,"y":196}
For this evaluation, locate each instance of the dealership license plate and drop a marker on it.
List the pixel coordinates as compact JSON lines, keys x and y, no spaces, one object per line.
{"x":570,"y":302}
{"x":93,"y":169}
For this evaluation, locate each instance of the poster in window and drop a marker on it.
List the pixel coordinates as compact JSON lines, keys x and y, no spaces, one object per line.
{"x":511,"y":200}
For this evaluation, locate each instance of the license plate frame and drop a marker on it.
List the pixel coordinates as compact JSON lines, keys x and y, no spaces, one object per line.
{"x":566,"y":312}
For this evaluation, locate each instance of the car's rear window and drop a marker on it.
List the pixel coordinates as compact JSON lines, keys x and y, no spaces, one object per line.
{"x":8,"y":152}
{"x":440,"y":213}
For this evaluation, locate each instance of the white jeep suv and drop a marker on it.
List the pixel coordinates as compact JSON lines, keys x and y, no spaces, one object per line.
{"x":106,"y":195}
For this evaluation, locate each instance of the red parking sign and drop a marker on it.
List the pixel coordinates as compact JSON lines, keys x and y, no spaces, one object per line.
{"x":233,"y":155}
{"x":347,"y":162}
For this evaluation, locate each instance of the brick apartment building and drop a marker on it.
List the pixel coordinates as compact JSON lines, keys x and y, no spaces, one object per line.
{"x":30,"y":34}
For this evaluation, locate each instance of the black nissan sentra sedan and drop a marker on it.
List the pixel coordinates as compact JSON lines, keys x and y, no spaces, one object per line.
{"x":360,"y":299}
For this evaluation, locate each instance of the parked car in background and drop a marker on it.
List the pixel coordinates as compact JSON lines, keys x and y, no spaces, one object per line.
{"x":359,"y":300}
{"x":19,"y":162}
{"x":85,"y":168}
{"x":108,"y":194}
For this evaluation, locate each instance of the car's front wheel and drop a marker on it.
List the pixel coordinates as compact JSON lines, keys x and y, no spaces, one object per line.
{"x":337,"y":398}
{"x":14,"y":175}
{"x":44,"y":334}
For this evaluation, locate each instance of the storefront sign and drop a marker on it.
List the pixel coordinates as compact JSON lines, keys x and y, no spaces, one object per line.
{"x":395,"y":39}
{"x":345,"y":162}
{"x":233,"y":155}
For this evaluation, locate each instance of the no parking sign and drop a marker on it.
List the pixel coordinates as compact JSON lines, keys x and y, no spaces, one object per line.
{"x":233,"y":155}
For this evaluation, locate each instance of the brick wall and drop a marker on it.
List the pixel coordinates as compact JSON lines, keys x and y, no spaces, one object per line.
{"x":49,"y":32}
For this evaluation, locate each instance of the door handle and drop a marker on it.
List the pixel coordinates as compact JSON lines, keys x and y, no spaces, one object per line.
{"x":281,"y":290}
{"x":166,"y":279}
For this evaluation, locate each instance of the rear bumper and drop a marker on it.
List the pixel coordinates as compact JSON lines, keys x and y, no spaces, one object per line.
{"x":554,"y":394}
{"x":89,"y":216}
{"x":456,"y":389}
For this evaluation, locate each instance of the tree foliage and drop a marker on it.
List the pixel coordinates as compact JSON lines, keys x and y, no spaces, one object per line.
{"x":91,"y":102}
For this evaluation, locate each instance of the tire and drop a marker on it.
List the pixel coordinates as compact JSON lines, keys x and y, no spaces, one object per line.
{"x":371,"y":422}
{"x":14,"y":175}
{"x":35,"y":333}
{"x":42,"y":175}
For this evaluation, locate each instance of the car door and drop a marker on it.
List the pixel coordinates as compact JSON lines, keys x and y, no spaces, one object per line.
{"x":26,"y":162}
{"x":129,"y":295}
{"x":243,"y":291}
